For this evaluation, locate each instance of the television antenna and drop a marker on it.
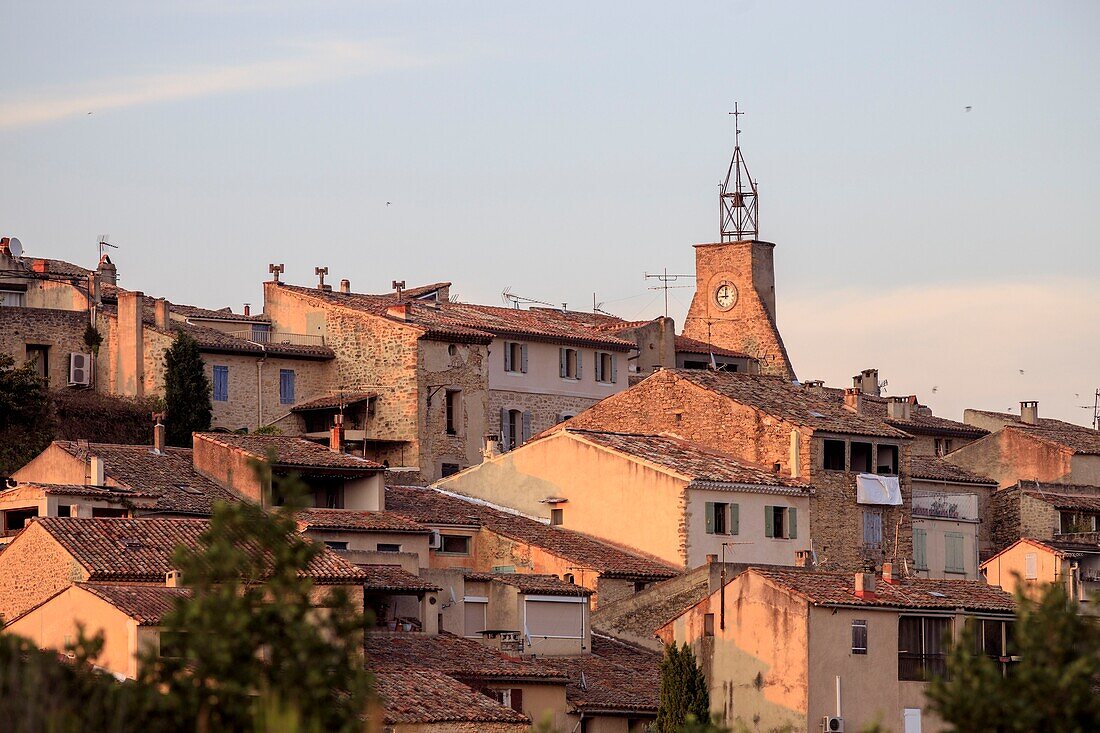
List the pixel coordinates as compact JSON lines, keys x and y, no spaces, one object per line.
{"x":104,"y":243}
{"x":515,"y":301}
{"x":664,"y":278}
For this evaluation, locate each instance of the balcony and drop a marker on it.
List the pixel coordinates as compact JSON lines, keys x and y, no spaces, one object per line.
{"x":921,"y":667}
{"x":261,"y":336}
{"x":937,"y":505}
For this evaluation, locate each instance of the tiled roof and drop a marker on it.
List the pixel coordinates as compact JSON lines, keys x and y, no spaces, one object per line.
{"x":394,"y":579}
{"x":103,"y":493}
{"x":333,"y":401}
{"x":776,"y":396}
{"x":931,"y":468}
{"x":825,"y":588}
{"x":921,"y":420}
{"x":1078,"y":438}
{"x":617,"y":677}
{"x":349,"y":520}
{"x":291,"y":452}
{"x":169,"y":475}
{"x":533,"y":584}
{"x":1075,"y":498}
{"x":642,"y":614}
{"x":141,"y":550}
{"x":695,"y":462}
{"x":60,"y":267}
{"x":688,"y":345}
{"x":146,"y":604}
{"x":425,"y":696}
{"x":453,"y":656}
{"x":480,"y":323}
{"x":428,"y":506}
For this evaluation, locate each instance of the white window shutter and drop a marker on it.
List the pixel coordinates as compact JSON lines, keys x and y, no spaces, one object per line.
{"x":505,"y":437}
{"x":523,"y":358}
{"x":580,"y":363}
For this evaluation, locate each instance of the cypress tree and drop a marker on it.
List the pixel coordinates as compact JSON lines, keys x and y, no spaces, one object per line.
{"x":683,"y":694}
{"x":186,"y":391}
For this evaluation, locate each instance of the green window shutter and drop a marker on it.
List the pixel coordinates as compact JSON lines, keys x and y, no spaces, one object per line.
{"x":710,"y":517}
{"x":954,"y":552}
{"x":792,"y":523}
{"x":920,"y":540}
{"x":769,"y":529}
{"x":735,"y":519}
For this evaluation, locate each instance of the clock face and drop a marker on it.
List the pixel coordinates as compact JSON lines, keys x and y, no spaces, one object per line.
{"x":725,"y":295}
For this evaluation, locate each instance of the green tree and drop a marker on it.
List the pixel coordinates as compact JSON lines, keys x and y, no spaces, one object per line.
{"x":186,"y":391}
{"x":1049,"y":689}
{"x":250,"y":643}
{"x":26,"y":416}
{"x":684,"y":696}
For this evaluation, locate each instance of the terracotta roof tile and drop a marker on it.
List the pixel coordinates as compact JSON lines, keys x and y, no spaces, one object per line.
{"x":115,"y":494}
{"x":533,"y":583}
{"x":291,"y":452}
{"x":1078,"y":438}
{"x":921,"y":420}
{"x":146,"y":604}
{"x":694,"y":461}
{"x":617,"y":676}
{"x":827,"y":588}
{"x":425,"y":696}
{"x":464,"y":659}
{"x":170,"y":475}
{"x":333,"y":401}
{"x":931,"y":468}
{"x":1064,"y":497}
{"x":429,"y":506}
{"x":141,"y":549}
{"x":688,"y":345}
{"x":349,"y":520}
{"x":393,"y":578}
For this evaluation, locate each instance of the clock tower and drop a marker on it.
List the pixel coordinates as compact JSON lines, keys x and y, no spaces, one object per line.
{"x":734,"y":303}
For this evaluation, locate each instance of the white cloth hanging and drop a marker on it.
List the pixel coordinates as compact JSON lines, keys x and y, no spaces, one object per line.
{"x":874,"y":489}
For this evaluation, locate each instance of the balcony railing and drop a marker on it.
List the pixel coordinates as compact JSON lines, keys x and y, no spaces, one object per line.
{"x":945,"y":505}
{"x":260,"y":336}
{"x":921,"y":667}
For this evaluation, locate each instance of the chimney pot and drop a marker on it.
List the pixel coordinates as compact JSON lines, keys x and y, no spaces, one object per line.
{"x":888,"y":575}
{"x":172,"y":579}
{"x":492,"y":447}
{"x":1029,"y":412}
{"x":804,"y":559}
{"x":865,"y":585}
{"x":400,"y":311}
{"x":40,"y":266}
{"x":160,"y":311}
{"x":853,"y":399}
{"x":345,"y":286}
{"x":336,"y":434}
{"x":899,"y":408}
{"x":158,"y":438}
{"x":868,"y":382}
{"x":248,"y":309}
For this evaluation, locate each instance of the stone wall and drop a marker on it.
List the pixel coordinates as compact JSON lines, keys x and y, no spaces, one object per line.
{"x":546,"y":409}
{"x":444,"y":366}
{"x":32,"y":568}
{"x":254,"y":392}
{"x":1008,"y":456}
{"x":59,"y":330}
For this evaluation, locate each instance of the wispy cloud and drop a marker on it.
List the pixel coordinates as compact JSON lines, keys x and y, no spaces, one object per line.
{"x":308,"y":63}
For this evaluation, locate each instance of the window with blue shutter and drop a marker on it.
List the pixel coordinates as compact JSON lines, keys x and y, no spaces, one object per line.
{"x":221,"y":384}
{"x":286,"y":386}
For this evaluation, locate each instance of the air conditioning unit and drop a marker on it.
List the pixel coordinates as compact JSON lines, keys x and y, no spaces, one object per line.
{"x":435,"y":541}
{"x":832,"y":724}
{"x":80,"y":370}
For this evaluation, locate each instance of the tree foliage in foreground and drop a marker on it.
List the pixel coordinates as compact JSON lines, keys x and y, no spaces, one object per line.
{"x":684,"y":695}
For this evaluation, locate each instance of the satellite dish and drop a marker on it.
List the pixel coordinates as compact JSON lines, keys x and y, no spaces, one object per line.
{"x":16,"y":247}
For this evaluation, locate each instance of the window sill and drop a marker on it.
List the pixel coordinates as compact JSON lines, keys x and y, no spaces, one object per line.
{"x":954,"y":572}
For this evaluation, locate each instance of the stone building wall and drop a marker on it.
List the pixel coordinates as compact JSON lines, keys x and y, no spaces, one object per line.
{"x":60,"y":330}
{"x":445,"y":366}
{"x":32,"y":568}
{"x":546,"y":410}
{"x":254,"y":392}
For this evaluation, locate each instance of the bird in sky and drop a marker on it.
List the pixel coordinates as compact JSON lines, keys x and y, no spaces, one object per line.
{"x":1021,"y":371}
{"x":387,"y":203}
{"x":968,"y":108}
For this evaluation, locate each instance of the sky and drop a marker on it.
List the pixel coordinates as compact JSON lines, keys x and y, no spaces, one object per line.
{"x":564,"y":150}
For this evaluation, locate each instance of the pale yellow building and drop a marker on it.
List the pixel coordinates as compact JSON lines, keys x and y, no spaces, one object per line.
{"x":1030,"y":565}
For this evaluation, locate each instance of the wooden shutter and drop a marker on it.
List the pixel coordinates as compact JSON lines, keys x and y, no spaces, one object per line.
{"x":563,"y":363}
{"x":735,"y":519}
{"x":523,"y":358}
{"x":769,"y":528}
{"x":710,"y":517}
{"x":517,"y":699}
{"x":526,"y":427}
{"x":507,"y":356}
{"x":920,"y":539}
{"x":792,"y":523}
{"x":505,"y":436}
{"x":614,"y":368}
{"x":580,"y":363}
{"x":599,"y":370}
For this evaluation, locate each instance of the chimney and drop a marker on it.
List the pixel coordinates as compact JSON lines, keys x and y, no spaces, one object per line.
{"x":400,"y":311}
{"x":94,"y":296}
{"x":1029,"y":412}
{"x":160,"y":313}
{"x":868,"y":382}
{"x":336,"y":434}
{"x":804,"y":559}
{"x":853,"y":399}
{"x":5,"y":246}
{"x":95,"y":470}
{"x":345,"y":286}
{"x":107,"y":271}
{"x":158,"y":438}
{"x":814,"y":384}
{"x":131,"y":344}
{"x":711,"y":559}
{"x":888,"y":575}
{"x":900,"y":408}
{"x":172,"y":579}
{"x":865,"y":585}
{"x":796,"y":453}
{"x":248,"y":309}
{"x":492,"y":447}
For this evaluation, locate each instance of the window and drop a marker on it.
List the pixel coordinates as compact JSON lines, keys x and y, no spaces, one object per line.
{"x":569,"y":364}
{"x":1073,"y":522}
{"x":512,"y":698}
{"x":473,"y":611}
{"x":554,"y":617}
{"x":286,"y":386}
{"x":39,"y":359}
{"x":887,"y":460}
{"x":64,"y":510}
{"x":452,"y":350}
{"x":557,"y":516}
{"x":109,"y":512}
{"x":338,"y":546}
{"x":920,"y":549}
{"x":834,"y":455}
{"x":910,"y":719}
{"x":221,"y":383}
{"x":515,"y":357}
{"x":921,"y":647}
{"x":11,"y":298}
{"x":454,"y":544}
{"x":708,"y":624}
{"x":515,"y":428}
{"x":606,"y":368}
{"x":453,"y":404}
{"x":872,"y":528}
{"x":640,"y":585}
{"x":859,"y":636}
{"x":569,"y":578}
{"x":861,"y":457}
{"x":16,"y":519}
{"x":1031,"y":566}
{"x":449,"y":469}
{"x":943,"y":446}
{"x":994,"y":639}
{"x":388,"y":547}
{"x":953,"y":553}
{"x":722,"y":518}
{"x":780,"y":522}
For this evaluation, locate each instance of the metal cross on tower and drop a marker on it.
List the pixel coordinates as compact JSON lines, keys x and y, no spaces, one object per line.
{"x":737,"y":201}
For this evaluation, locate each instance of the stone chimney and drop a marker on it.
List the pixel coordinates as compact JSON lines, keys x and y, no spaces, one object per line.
{"x":711,"y":559}
{"x":1029,"y":412}
{"x":172,"y":579}
{"x":804,"y":559}
{"x":41,"y":266}
{"x":867,"y":380}
{"x":888,"y":573}
{"x":131,"y":344}
{"x":900,"y":408}
{"x":865,"y":585}
{"x":158,"y":438}
{"x":107,"y":271}
{"x":796,"y":453}
{"x":160,"y":314}
{"x":400,"y":311}
{"x":345,"y":286}
{"x":336,"y":434}
{"x":814,"y":385}
{"x":95,"y":471}
{"x":492,"y":447}
{"x":853,"y":399}
{"x":94,"y":296}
